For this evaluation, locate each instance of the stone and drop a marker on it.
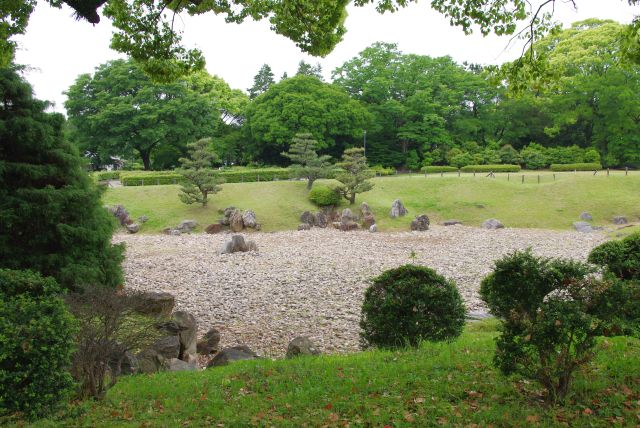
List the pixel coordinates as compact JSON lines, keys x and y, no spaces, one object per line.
{"x":209,"y":343}
{"x":451,"y":222}
{"x":213,"y":228}
{"x":149,"y":361}
{"x":307,"y":217}
{"x":478,"y":315}
{"x":133,"y":228}
{"x":175,"y":232}
{"x":156,"y":303}
{"x":420,"y":223}
{"x":347,"y":216}
{"x":619,"y":219}
{"x":186,"y":226}
{"x":583,"y":227}
{"x":249,"y":219}
{"x":492,"y":224}
{"x":121,"y":361}
{"x":168,"y":346}
{"x":236,"y":222}
{"x":301,"y":345}
{"x":304,"y":226}
{"x":398,"y":209}
{"x":187,"y":335}
{"x":238,"y":244}
{"x":320,"y":219}
{"x":373,"y":228}
{"x":585,"y":216}
{"x":364,"y":209}
{"x":368,"y":220}
{"x":121,"y":214}
{"x":348,"y":226}
{"x":234,"y":353}
{"x":177,"y":365}
{"x":336,"y":224}
{"x":143,"y":219}
{"x":227,"y":213}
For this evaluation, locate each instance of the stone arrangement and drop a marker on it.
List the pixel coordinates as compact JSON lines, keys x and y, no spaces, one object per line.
{"x":127,"y":222}
{"x":492,"y":224}
{"x":398,"y":209}
{"x":420,"y":223}
{"x":185,"y":226}
{"x":238,"y":245}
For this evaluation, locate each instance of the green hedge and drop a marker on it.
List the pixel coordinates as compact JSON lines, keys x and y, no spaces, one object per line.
{"x":490,"y":168}
{"x":150,"y":178}
{"x":250,"y":175}
{"x":575,"y":167}
{"x":438,"y":168}
{"x":382,"y":171}
{"x":107,"y":175}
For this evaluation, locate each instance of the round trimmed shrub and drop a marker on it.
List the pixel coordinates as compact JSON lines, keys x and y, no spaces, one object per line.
{"x":37,"y":335}
{"x":409,"y":304}
{"x":324,"y":196}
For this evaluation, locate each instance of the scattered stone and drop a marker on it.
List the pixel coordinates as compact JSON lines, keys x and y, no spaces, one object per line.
{"x":227,"y":213}
{"x":584,"y":227}
{"x":121,"y":214}
{"x":301,"y":345}
{"x":149,"y":361}
{"x":492,"y":224}
{"x":585,"y":216}
{"x":364,"y":209}
{"x":620,"y":219}
{"x":167,"y":347}
{"x":209,"y":342}
{"x":348,"y":226}
{"x":336,"y":224}
{"x":157,"y":304}
{"x":177,"y":365}
{"x":238,"y":244}
{"x":307,"y":217}
{"x":186,"y":226}
{"x":122,"y":361}
{"x":143,"y":219}
{"x":234,"y":353}
{"x":321,"y":219}
{"x":368,"y":220}
{"x":398,"y":209}
{"x":187,"y":335}
{"x":213,"y":228}
{"x":236,"y":222}
{"x":420,"y":223}
{"x":249,"y":219}
{"x":451,"y":222}
{"x":373,"y":228}
{"x":133,"y":228}
{"x":347,"y":216}
{"x":175,"y":232}
{"x":478,"y":315}
{"x":304,"y":226}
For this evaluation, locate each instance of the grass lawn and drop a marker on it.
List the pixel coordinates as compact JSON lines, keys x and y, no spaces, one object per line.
{"x":446,"y":384}
{"x":553,"y":204}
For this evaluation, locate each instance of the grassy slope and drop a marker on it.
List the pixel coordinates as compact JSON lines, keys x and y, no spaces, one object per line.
{"x":551,"y":204}
{"x":438,"y":384}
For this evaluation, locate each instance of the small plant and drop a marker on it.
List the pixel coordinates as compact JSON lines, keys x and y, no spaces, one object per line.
{"x":413,"y":256}
{"x":324,"y":196}
{"x":200,"y":178}
{"x":36,"y":342}
{"x":409,"y":304}
{"x":355,"y":174}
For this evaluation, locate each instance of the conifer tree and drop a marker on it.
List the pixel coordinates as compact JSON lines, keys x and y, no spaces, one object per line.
{"x":305,"y":161}
{"x":261,"y":81}
{"x":356,"y":174}
{"x":201,"y":179}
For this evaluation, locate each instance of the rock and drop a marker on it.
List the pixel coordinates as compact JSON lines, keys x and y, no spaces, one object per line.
{"x":492,"y":224}
{"x":234,"y":353}
{"x":478,"y":315}
{"x":133,"y":228}
{"x":187,"y":226}
{"x":347,"y":216}
{"x":227,"y":213}
{"x":364,"y":209}
{"x":373,"y":228}
{"x":368,"y":220}
{"x":249,"y":219}
{"x":307,"y":217}
{"x":176,"y":365}
{"x":348,"y":226}
{"x":397,"y":209}
{"x":420,"y":223}
{"x":301,"y":345}
{"x":304,"y":226}
{"x":321,"y":219}
{"x":583,"y":227}
{"x":619,"y":219}
{"x":149,"y":361}
{"x":143,"y":219}
{"x":168,"y":346}
{"x":209,"y":342}
{"x":585,"y":216}
{"x":336,"y":224}
{"x":236,"y":222}
{"x":121,"y":214}
{"x":213,"y":228}
{"x":451,"y":222}
{"x":187,"y":335}
{"x":175,"y":232}
{"x":238,"y":244}
{"x":121,"y":361}
{"x":157,"y":304}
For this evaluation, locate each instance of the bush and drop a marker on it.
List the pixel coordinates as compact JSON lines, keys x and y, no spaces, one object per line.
{"x":490,"y":168}
{"x":107,"y":175}
{"x":151,"y":178}
{"x":36,"y":342}
{"x":382,"y":171}
{"x":619,"y":258}
{"x":432,"y":169}
{"x":409,"y":304}
{"x":576,"y":167}
{"x":324,"y":196}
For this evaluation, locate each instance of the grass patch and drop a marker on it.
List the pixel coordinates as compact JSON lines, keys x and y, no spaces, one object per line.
{"x":447,"y":384}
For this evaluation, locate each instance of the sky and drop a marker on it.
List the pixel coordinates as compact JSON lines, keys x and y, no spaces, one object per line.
{"x":58,"y":48}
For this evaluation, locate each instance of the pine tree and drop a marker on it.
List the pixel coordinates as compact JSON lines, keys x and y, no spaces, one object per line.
{"x":261,"y":81}
{"x":201,"y":179}
{"x":356,"y":174}
{"x":305,"y":161}
{"x":51,"y":217}
{"x":306,"y":69}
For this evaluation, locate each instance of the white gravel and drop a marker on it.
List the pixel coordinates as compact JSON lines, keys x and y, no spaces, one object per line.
{"x":312,"y":282}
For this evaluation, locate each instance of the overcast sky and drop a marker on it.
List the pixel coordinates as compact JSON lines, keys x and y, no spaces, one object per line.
{"x":59,"y":48}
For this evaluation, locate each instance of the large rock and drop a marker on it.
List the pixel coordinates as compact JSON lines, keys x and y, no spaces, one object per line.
{"x":619,"y":219}
{"x":368,"y":220}
{"x":236,"y":222}
{"x":420,"y":223}
{"x":451,"y":222}
{"x":301,"y":345}
{"x":172,"y":232}
{"x":584,"y":227}
{"x":249,"y":219}
{"x":121,"y":361}
{"x":348,"y":226}
{"x":304,"y":226}
{"x":307,"y":217}
{"x":187,"y":226}
{"x":364,"y":209}
{"x":209,"y":342}
{"x":398,"y":209}
{"x":157,"y":304}
{"x":585,"y":216}
{"x":176,"y":365}
{"x":227,"y":213}
{"x":234,"y":353}
{"x":187,"y":335}
{"x":121,"y":214}
{"x":143,"y":219}
{"x":133,"y":228}
{"x":168,"y":346}
{"x":149,"y":361}
{"x":238,"y":244}
{"x":373,"y":228}
{"x":213,"y":228}
{"x":320,"y":219}
{"x":492,"y":224}
{"x":347,"y":216}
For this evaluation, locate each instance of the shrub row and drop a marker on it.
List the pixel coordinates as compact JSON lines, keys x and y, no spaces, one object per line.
{"x":153,"y":178}
{"x":382,"y":171}
{"x":438,"y":168}
{"x":264,"y":174}
{"x":324,"y":196}
{"x":491,"y":168}
{"x":107,"y":175}
{"x":576,"y":167}
{"x":150,"y":178}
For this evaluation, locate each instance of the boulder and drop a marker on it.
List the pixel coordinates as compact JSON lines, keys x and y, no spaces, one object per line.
{"x":320,"y":219}
{"x":451,"y":222}
{"x":156,"y":303}
{"x":336,"y":224}
{"x":238,"y":244}
{"x":209,"y":342}
{"x":121,"y":214}
{"x":168,"y":346}
{"x":619,"y":219}
{"x":149,"y":361}
{"x":304,"y":226}
{"x":585,"y":216}
{"x":420,"y":223}
{"x":301,"y":345}
{"x":492,"y":224}
{"x":347,"y":216}
{"x":398,"y":209}
{"x":348,"y":226}
{"x":249,"y":219}
{"x":234,"y":353}
{"x":187,"y":335}
{"x":213,"y":228}
{"x":364,"y":209}
{"x":121,"y":361}
{"x":583,"y":227}
{"x":307,"y":217}
{"x":176,"y":365}
{"x":143,"y":219}
{"x":368,"y":220}
{"x":172,"y":232}
{"x":186,"y":226}
{"x":373,"y":228}
{"x":133,"y":228}
{"x":236,"y":222}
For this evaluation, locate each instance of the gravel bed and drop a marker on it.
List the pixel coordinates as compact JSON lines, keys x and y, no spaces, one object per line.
{"x":312,"y":282}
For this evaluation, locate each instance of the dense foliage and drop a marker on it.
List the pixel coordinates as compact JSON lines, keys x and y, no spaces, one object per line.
{"x":353,"y":175}
{"x":37,"y":335}
{"x":199,"y":178}
{"x":409,"y":304}
{"x":576,"y":167}
{"x":324,"y":196}
{"x":305,"y":162}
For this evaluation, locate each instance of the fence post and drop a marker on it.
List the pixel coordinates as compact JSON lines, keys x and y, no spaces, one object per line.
{"x":538,"y":178}
{"x":474,"y":173}
{"x":142,"y":182}
{"x":626,"y":170}
{"x":554,"y":177}
{"x":595,"y":172}
{"x":522,"y":178}
{"x":441,"y":173}
{"x":458,"y":173}
{"x":508,"y":177}
{"x":158,"y":181}
{"x":607,"y":172}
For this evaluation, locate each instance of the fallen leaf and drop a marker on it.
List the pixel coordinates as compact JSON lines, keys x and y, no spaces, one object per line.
{"x":533,"y":418}
{"x":587,"y":411}
{"x":409,"y":417}
{"x":329,"y":406}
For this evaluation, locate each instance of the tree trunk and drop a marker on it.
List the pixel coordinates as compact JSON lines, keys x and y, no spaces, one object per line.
{"x":145,"y":155}
{"x":204,"y":198}
{"x":352,"y":199}
{"x":310,"y":183}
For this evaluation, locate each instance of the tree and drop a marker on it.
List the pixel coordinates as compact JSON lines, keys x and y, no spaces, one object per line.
{"x":356,"y":174}
{"x":120,"y":112}
{"x":305,"y":161}
{"x":51,"y":215}
{"x":306,"y":69}
{"x":201,"y":179}
{"x":261,"y":81}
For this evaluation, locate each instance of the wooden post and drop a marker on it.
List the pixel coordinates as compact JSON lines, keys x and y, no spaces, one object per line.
{"x":626,"y":170}
{"x":474,"y":173}
{"x":458,"y":173}
{"x":607,"y":172}
{"x":595,"y":171}
{"x":538,"y":178}
{"x":554,"y":177}
{"x":522,"y":178}
{"x":508,"y":177}
{"x":441,"y":173}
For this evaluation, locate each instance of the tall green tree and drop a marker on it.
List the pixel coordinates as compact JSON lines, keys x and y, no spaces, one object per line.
{"x":305,"y":161}
{"x":51,"y":215}
{"x":200,"y":178}
{"x":306,"y":69}
{"x":261,"y":81}
{"x":355,"y":174}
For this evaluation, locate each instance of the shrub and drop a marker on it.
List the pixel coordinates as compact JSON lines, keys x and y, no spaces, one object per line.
{"x":324,"y":196}
{"x":432,"y":169}
{"x":576,"y":167}
{"x":534,"y":156}
{"x":153,"y":178}
{"x":619,"y":258}
{"x":490,"y":168}
{"x":552,"y":312}
{"x":409,"y":304}
{"x":382,"y":171}
{"x":36,"y":343}
{"x":107,"y":175}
